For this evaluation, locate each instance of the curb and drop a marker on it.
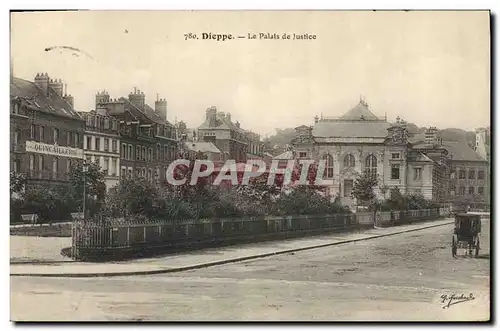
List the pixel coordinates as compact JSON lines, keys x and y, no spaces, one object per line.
{"x":215,"y":263}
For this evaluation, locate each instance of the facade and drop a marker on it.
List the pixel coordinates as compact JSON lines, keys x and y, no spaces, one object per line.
{"x":360,"y":142}
{"x":101,"y":143}
{"x":200,"y":150}
{"x":233,"y":142}
{"x":46,"y":132}
{"x":148,"y":142}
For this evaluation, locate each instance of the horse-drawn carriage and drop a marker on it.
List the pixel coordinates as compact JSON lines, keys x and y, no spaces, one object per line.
{"x":466,"y":234}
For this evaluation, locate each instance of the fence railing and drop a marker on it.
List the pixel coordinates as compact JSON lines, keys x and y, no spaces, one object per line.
{"x":91,"y":238}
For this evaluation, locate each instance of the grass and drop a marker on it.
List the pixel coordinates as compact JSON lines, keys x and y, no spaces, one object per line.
{"x":56,"y":230}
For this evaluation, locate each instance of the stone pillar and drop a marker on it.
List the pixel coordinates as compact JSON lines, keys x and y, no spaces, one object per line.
{"x":85,"y":142}
{"x":93,"y":143}
{"x":110,"y":164}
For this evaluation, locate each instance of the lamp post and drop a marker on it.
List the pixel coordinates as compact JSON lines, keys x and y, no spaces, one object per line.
{"x":84,"y":171}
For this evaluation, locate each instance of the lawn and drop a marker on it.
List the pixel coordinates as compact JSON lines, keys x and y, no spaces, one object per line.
{"x":56,"y":230}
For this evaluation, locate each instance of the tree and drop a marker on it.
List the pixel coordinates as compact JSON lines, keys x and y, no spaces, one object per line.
{"x":17,"y":183}
{"x":131,"y":197}
{"x":363,"y":188}
{"x":95,"y":186}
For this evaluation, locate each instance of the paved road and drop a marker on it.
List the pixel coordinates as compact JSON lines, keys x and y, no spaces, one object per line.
{"x":400,"y":277}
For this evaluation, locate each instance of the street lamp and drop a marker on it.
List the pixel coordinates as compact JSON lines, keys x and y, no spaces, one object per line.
{"x":84,"y":171}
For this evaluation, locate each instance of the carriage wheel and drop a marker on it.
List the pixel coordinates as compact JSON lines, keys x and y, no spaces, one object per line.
{"x":477,"y":248}
{"x":453,"y":247}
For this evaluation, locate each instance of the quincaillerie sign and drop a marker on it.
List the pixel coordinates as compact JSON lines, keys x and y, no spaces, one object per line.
{"x":36,"y":147}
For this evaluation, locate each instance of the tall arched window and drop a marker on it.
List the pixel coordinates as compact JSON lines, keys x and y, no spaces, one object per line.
{"x":328,"y":166}
{"x":371,"y":165}
{"x":349,"y":161}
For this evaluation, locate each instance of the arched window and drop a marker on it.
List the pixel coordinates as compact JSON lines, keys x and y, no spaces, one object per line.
{"x":349,"y":161}
{"x":371,"y":165}
{"x":328,"y":166}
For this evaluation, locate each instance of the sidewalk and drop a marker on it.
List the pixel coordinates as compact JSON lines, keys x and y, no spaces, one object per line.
{"x":208,"y":257}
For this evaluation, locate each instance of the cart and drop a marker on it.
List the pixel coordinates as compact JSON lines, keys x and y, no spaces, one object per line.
{"x":466,"y":234}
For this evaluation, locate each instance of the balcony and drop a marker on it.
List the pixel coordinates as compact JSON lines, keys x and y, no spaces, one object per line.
{"x":47,"y":175}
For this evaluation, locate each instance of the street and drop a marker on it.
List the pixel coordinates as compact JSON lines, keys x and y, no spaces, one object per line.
{"x":404,"y":277}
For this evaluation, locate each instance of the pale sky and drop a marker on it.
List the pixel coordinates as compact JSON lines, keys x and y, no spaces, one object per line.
{"x":430,"y":68}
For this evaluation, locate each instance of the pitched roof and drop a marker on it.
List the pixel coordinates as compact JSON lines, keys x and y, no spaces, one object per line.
{"x":36,"y":99}
{"x":288,"y":155}
{"x":419,"y":157}
{"x":351,"y":129}
{"x":461,"y":151}
{"x":203,"y":147}
{"x":359,"y":112}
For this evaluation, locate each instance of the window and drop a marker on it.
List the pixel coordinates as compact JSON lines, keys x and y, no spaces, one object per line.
{"x":480,"y":190}
{"x":106,"y":145}
{"x":417,"y":174}
{"x":17,"y":138}
{"x":124,"y":151}
{"x":150,"y":174}
{"x":114,"y":126}
{"x":97,"y":144}
{"x":130,"y":153}
{"x":55,"y":165}
{"x":15,"y":108}
{"x":106,"y":123}
{"x":56,"y":135}
{"x":472,"y":174}
{"x":150,"y":154}
{"x":143,"y":173}
{"x":480,"y":174}
{"x":17,"y":166}
{"x":371,"y":165}
{"x":461,"y":174}
{"x":41,"y":132}
{"x":138,"y":152}
{"x":143,"y":153}
{"x":157,"y":152}
{"x":77,"y":136}
{"x":301,"y":154}
{"x":32,"y":131}
{"x":129,"y":172}
{"x":452,"y":190}
{"x":68,"y":139}
{"x":89,"y":142}
{"x":123,"y":172}
{"x":157,"y":175}
{"x":113,"y":167}
{"x":395,"y":156}
{"x":165,"y":152}
{"x":462,"y":190}
{"x":471,"y":189}
{"x":106,"y":165}
{"x":113,"y":145}
{"x":328,"y":166}
{"x":349,"y":161}
{"x":395,"y":171}
{"x":40,"y":163}
{"x":68,"y":166}
{"x":32,"y":163}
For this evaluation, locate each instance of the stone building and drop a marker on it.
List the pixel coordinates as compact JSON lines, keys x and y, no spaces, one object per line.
{"x":101,"y":143}
{"x":148,"y":141}
{"x":46,"y":131}
{"x":360,"y":142}
{"x":233,"y":142}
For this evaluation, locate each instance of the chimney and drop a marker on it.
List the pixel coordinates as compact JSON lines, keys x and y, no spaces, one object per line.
{"x":101,"y":98}
{"x":211,"y":116}
{"x":69,"y":99}
{"x":316,"y":119}
{"x":57,"y":86}
{"x":137,"y":98}
{"x":42,"y":82}
{"x":161,"y":107}
{"x":237,"y":124}
{"x":222,"y":114}
{"x":431,"y":136}
{"x":228,"y":117}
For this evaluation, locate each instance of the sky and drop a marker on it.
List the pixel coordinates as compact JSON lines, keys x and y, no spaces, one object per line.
{"x":430,"y":68}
